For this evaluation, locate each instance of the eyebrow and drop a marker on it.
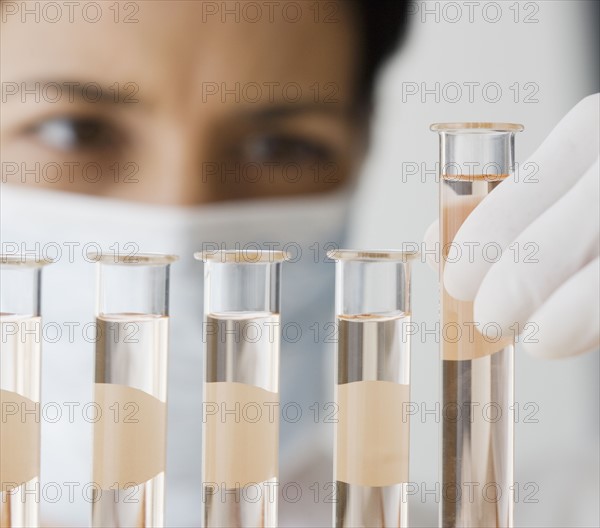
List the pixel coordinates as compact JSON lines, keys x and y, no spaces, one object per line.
{"x":126,"y":93}
{"x":71,"y":91}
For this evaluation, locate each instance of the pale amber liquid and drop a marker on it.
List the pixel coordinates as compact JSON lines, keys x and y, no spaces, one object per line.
{"x":241,"y":348}
{"x":372,"y":347}
{"x":477,"y":453}
{"x":20,"y":356}
{"x":132,"y":351}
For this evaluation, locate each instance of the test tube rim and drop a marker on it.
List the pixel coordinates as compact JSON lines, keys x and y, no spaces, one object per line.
{"x":136,"y":259}
{"x":477,"y":127}
{"x":19,"y":260}
{"x":372,"y":255}
{"x":243,"y":256}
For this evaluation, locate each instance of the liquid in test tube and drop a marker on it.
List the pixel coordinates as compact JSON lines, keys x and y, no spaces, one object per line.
{"x":241,"y":389}
{"x":477,"y":366}
{"x":372,"y":388}
{"x":131,"y":390}
{"x":20,"y":385}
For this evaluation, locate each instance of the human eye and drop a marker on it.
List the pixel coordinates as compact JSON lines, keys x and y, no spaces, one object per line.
{"x":286,"y":148}
{"x":76,"y":134}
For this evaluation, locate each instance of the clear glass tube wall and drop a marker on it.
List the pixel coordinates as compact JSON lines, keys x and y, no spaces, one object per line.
{"x":477,"y":366}
{"x":130,"y":390}
{"x":20,"y":385}
{"x":372,"y":388}
{"x":241,"y":390}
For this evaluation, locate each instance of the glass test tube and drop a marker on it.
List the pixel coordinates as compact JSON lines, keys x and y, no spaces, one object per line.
{"x":372,"y":388}
{"x":477,"y":365}
{"x":20,"y":380}
{"x":241,"y":390}
{"x":130,"y":390}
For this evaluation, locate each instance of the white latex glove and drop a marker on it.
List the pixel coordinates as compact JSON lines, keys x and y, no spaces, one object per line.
{"x":558,"y":293}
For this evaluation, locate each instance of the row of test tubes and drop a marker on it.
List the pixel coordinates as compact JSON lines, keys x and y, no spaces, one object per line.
{"x":242,"y":351}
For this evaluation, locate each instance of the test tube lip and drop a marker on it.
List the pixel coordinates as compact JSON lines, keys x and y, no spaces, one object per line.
{"x":23,"y":260}
{"x":136,"y":259}
{"x":374,"y":255}
{"x":243,"y":256}
{"x":476,"y":127}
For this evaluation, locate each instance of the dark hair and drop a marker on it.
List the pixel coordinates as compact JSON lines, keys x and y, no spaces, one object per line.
{"x":383,"y":25}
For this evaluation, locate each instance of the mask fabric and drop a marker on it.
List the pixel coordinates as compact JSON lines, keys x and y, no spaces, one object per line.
{"x":65,"y":227}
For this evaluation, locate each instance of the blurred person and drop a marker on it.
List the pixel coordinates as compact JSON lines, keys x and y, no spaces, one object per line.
{"x":173,"y":126}
{"x":166,"y":126}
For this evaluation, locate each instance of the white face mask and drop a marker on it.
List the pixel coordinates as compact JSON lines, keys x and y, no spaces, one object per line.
{"x":66,"y":226}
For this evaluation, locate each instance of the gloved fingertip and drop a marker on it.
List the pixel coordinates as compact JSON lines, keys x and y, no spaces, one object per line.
{"x":489,"y":311}
{"x":456,"y":282}
{"x":431,"y":245}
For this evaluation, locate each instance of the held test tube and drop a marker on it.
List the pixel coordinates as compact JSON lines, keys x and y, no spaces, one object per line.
{"x":130,"y":390}
{"x":372,"y":388}
{"x":241,"y":389}
{"x":20,"y":373}
{"x":477,"y":366}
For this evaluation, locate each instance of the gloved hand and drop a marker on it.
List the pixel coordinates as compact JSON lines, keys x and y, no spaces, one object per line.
{"x":548,"y":274}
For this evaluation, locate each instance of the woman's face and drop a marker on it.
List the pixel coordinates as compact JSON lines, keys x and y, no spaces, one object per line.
{"x":180,"y":102}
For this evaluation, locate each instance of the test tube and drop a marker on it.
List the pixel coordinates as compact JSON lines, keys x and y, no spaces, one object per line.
{"x":130,"y":391}
{"x":20,"y":380}
{"x":241,"y":389}
{"x":477,"y":364}
{"x":372,"y":388}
